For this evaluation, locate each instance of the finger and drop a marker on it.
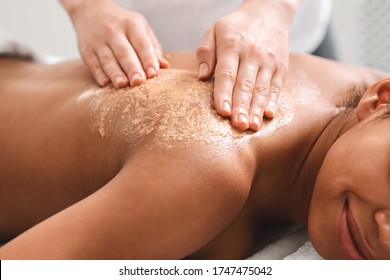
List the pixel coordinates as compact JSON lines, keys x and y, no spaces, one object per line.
{"x":225,"y":77}
{"x":274,"y":92}
{"x":206,"y":55}
{"x":111,"y":67}
{"x":260,"y":99}
{"x":163,"y":62}
{"x":93,"y":64}
{"x":242,"y":94}
{"x":128,"y":60}
{"x":145,"y":51}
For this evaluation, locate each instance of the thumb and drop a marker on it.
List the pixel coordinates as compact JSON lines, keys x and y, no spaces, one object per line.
{"x":206,"y":55}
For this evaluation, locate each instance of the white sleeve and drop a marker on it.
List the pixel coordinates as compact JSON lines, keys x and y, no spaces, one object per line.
{"x":310,"y":25}
{"x":181,"y":24}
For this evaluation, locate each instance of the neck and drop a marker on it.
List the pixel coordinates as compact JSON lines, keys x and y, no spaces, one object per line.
{"x":283,"y":187}
{"x":301,"y":191}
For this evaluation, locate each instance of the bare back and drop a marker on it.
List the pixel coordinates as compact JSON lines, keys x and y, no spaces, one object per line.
{"x":64,"y":137}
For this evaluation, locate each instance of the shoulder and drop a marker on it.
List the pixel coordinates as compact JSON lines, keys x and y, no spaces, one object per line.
{"x":329,"y":75}
{"x":222,"y":174}
{"x":188,"y":197}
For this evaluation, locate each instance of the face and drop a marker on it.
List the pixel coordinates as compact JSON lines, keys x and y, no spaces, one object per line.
{"x":349,"y":214}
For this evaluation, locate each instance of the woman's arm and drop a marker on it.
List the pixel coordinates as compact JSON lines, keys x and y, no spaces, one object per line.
{"x":158,"y":207}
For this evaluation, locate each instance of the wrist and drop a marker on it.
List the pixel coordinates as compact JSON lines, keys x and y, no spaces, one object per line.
{"x":286,"y":9}
{"x":73,"y":7}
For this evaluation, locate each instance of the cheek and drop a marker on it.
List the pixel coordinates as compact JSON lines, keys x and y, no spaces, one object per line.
{"x":325,"y":211}
{"x":323,"y":228}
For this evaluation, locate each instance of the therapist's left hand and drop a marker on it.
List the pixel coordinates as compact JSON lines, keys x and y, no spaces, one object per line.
{"x":247,"y":51}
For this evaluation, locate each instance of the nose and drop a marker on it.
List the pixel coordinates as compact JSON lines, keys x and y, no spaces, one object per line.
{"x":382,"y":219}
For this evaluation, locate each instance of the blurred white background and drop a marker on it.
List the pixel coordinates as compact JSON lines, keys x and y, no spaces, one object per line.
{"x":361,"y":29}
{"x":43,"y":24}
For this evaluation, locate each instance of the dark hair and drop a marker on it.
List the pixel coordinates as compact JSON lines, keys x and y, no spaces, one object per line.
{"x":351,"y":97}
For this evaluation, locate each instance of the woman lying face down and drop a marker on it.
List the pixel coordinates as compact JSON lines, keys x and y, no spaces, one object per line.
{"x":153,"y":172}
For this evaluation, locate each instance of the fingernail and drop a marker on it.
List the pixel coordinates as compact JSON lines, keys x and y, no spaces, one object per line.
{"x":203,"y":69}
{"x":226,"y":107}
{"x":271,"y":110}
{"x":104,"y":81}
{"x":256,"y":122}
{"x":136,"y":79}
{"x":151,"y":72}
{"x":119,"y":80}
{"x":242,"y":119}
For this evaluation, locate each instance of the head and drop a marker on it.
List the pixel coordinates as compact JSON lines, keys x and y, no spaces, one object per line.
{"x":349,"y":214}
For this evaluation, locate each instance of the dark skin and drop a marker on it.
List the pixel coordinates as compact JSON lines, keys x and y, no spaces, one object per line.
{"x":117,"y":200}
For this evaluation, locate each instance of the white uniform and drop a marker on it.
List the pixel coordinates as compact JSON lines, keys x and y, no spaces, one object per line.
{"x":181,"y":24}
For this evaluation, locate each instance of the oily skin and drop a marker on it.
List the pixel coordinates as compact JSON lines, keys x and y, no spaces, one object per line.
{"x":239,"y":189}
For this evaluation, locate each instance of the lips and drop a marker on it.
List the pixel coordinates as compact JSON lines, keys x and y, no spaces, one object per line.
{"x":348,"y":236}
{"x":354,"y":229}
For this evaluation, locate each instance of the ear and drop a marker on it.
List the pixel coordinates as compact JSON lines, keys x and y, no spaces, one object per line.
{"x":373,"y":98}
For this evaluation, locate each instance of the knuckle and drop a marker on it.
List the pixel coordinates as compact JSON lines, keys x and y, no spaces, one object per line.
{"x":87,"y":53}
{"x":246,"y":85}
{"x":262,"y":90}
{"x":254,"y":49}
{"x":143,"y":46}
{"x":109,"y":30}
{"x":104,"y":58}
{"x":221,"y":22}
{"x":281,"y":68}
{"x":274,"y":90}
{"x":203,"y":48}
{"x":128,"y":21}
{"x":122,"y":52}
{"x":85,"y":50}
{"x":269,"y":58}
{"x":232,"y":42}
{"x":132,"y":22}
{"x":227,"y":75}
{"x":135,"y":23}
{"x":270,"y":54}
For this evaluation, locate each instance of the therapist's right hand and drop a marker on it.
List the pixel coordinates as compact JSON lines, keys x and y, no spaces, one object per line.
{"x":117,"y":45}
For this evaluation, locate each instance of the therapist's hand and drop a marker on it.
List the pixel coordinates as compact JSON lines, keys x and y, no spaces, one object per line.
{"x":247,"y":52}
{"x":117,"y":45}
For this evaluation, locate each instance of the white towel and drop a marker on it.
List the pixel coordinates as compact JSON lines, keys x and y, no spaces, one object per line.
{"x":288,"y":243}
{"x":11,"y":46}
{"x":305,"y":252}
